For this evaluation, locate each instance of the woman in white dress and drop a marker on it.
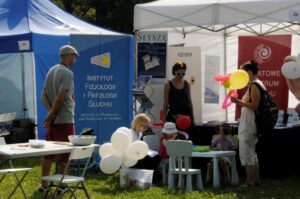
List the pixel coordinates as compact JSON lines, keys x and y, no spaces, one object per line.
{"x":247,"y":127}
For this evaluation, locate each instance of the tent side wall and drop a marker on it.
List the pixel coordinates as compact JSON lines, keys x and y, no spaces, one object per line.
{"x":46,"y":49}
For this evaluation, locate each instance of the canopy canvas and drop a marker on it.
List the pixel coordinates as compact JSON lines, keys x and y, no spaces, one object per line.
{"x":214,"y":13}
{"x":215,"y":25}
{"x":32,"y":31}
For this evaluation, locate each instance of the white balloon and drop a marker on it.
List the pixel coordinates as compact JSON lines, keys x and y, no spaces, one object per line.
{"x":128,"y":162}
{"x":291,"y":70}
{"x":137,"y":150}
{"x":120,"y":141}
{"x":108,"y":149}
{"x":110,"y":163}
{"x":127,"y":131}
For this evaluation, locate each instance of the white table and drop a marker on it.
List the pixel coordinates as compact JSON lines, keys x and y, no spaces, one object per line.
{"x":23,"y":150}
{"x":216,"y":155}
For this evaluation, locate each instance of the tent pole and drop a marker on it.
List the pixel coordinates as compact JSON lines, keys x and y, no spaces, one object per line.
{"x":225,"y":66}
{"x":134,"y":105}
{"x":23,"y":85}
{"x":35,"y":96}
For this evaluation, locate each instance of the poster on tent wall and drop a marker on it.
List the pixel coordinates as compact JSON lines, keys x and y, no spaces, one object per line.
{"x":212,"y":68}
{"x":269,"y":53}
{"x":192,"y":57}
{"x":151,"y":53}
{"x":102,"y":78}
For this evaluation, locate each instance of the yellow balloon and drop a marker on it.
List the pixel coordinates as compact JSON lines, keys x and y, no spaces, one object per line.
{"x":239,"y":79}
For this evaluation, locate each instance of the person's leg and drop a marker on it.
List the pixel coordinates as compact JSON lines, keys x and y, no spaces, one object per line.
{"x":46,"y":162}
{"x":209,"y":173}
{"x":62,"y":131}
{"x":250,"y":175}
{"x":225,"y":171}
{"x":46,"y":167}
{"x":257,"y":177}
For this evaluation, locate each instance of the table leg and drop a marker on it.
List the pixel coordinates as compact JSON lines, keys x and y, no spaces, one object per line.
{"x":216,"y":180}
{"x":234,"y":174}
{"x":18,"y":181}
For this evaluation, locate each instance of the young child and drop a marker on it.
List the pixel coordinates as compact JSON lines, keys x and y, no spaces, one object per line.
{"x":169,"y":132}
{"x":221,"y":143}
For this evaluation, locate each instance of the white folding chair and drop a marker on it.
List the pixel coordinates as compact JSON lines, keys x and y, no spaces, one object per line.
{"x":179,"y":152}
{"x":57,"y":179}
{"x":14,"y":171}
{"x":152,"y":141}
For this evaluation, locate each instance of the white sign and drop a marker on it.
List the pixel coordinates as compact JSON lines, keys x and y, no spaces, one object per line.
{"x":212,"y":68}
{"x":152,"y":37}
{"x":24,"y":45}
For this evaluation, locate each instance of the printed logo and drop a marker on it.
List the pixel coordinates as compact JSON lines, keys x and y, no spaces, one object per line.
{"x":262,"y":53}
{"x":101,"y":60}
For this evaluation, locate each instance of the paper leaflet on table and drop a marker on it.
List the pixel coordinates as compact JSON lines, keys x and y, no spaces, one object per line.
{"x":152,"y":153}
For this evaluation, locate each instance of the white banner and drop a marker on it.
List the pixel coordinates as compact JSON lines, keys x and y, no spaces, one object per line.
{"x":192,"y":57}
{"x":212,"y":68}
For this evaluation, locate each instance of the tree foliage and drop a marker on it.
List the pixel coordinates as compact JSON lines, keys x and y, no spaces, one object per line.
{"x":115,"y":15}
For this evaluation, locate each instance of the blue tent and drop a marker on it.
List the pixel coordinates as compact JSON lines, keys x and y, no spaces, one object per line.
{"x":31,"y":33}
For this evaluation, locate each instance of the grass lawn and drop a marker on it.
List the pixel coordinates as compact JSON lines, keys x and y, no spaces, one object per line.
{"x":103,"y":186}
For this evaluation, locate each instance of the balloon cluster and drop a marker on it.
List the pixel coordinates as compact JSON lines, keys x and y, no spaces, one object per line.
{"x":291,"y":69}
{"x":237,"y":80}
{"x":121,"y":151}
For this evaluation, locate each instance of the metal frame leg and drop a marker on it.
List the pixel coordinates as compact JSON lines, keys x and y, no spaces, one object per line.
{"x":216,"y":180}
{"x":19,"y":185}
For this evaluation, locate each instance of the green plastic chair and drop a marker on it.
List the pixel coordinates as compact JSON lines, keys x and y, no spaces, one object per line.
{"x":179,"y":152}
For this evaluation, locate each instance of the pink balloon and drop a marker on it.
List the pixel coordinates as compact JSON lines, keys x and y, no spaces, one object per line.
{"x":227,"y":101}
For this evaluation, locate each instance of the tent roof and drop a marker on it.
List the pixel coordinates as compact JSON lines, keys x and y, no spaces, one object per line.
{"x":187,"y":13}
{"x":42,"y":16}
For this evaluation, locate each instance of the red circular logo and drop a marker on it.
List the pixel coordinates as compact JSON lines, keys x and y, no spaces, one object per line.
{"x":262,"y":53}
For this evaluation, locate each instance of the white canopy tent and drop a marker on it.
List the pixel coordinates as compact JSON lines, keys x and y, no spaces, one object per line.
{"x":218,"y":15}
{"x":215,"y":24}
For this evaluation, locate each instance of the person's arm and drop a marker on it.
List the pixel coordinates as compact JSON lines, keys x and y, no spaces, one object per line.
{"x":174,"y":136}
{"x":213,"y":144}
{"x":166,"y":101}
{"x":55,"y":108}
{"x":255,"y":98}
{"x":45,"y":101}
{"x":294,"y":86}
{"x":191,"y":104}
{"x":164,"y":141}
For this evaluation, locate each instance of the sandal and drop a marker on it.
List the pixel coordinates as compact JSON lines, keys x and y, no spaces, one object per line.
{"x":247,"y":185}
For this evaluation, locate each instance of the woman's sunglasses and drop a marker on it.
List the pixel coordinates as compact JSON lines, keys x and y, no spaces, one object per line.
{"x":180,"y":74}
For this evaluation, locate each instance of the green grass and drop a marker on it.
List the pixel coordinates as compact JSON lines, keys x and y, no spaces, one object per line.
{"x":104,"y":186}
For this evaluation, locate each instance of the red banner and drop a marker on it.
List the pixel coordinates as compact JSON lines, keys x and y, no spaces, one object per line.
{"x":268,"y":52}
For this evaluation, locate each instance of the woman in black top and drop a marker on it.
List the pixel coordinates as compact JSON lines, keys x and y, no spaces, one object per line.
{"x":177,"y":95}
